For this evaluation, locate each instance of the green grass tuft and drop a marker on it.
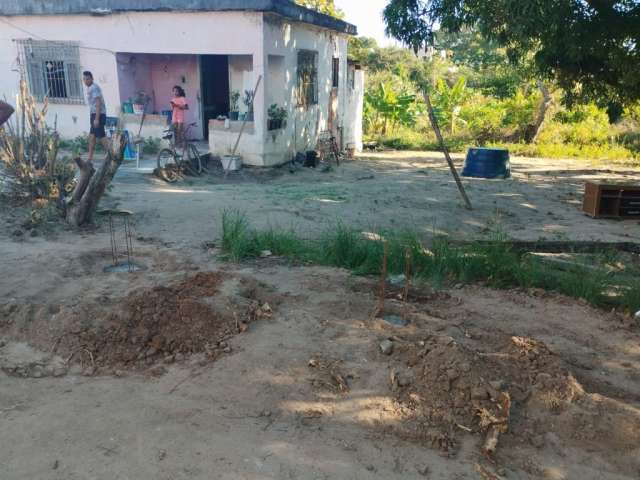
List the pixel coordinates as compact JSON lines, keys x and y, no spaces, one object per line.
{"x":495,"y":263}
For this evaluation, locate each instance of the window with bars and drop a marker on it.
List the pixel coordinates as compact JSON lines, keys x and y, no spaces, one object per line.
{"x":52,"y":70}
{"x":307,"y":77}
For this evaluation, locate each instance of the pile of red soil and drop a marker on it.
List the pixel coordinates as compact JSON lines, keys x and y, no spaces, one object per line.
{"x":164,"y":323}
{"x":445,"y":389}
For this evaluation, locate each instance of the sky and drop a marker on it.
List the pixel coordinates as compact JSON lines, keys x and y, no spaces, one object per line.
{"x":367,"y":16}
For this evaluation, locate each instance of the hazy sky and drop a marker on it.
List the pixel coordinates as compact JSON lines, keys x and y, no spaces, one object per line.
{"x":367,"y":16}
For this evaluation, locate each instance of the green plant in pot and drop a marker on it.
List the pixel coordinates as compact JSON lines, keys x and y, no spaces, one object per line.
{"x":247,"y":99}
{"x":234,"y":105}
{"x":277,"y":117}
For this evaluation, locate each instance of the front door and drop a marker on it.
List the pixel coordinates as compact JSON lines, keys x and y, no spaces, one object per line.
{"x":214,"y":75}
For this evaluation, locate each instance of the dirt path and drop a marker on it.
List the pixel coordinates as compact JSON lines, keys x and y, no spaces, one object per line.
{"x":386,"y":190}
{"x":305,"y":392}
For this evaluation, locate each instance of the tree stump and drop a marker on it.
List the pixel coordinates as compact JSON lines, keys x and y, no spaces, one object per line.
{"x":93,"y":183}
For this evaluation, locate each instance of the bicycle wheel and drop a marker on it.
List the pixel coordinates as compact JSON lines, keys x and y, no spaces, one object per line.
{"x":195,"y":163}
{"x":168,"y":169}
{"x":167,"y":159}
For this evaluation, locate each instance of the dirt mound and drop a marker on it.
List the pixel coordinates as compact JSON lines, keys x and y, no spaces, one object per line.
{"x":447,"y":388}
{"x":163,"y":323}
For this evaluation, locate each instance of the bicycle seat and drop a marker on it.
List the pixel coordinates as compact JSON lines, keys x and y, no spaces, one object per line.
{"x":193,"y":124}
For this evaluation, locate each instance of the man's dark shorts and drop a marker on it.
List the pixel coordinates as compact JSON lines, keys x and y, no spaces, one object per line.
{"x":99,"y":131}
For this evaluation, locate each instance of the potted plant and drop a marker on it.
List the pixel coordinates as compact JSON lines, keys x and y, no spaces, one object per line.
{"x":277,"y":117}
{"x":234,"y":107}
{"x":248,"y":102}
{"x":140,"y":103}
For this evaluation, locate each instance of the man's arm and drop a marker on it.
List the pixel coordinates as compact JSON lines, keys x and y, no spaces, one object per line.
{"x":6,"y":111}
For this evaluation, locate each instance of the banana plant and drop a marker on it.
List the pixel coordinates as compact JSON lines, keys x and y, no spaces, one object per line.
{"x":386,"y":108}
{"x":448,"y":100}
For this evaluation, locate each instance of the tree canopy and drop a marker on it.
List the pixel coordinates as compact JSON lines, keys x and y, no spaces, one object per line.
{"x":590,"y":47}
{"x":327,"y":7}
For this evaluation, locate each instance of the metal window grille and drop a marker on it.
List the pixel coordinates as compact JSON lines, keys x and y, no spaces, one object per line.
{"x":307,"y":77}
{"x":52,"y":70}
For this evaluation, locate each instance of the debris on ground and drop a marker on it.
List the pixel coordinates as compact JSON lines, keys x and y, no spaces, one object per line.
{"x":328,"y":374}
{"x":386,"y":347}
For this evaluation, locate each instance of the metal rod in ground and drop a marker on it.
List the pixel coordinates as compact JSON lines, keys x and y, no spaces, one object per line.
{"x":127,"y":239}
{"x":408,"y":261}
{"x":445,"y":150}
{"x":383,"y":279}
{"x":114,"y":247}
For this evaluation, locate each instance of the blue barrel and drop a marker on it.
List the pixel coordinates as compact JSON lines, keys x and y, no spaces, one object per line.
{"x":487,"y":163}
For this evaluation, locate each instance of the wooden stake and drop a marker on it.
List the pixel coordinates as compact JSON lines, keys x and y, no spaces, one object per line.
{"x":452,"y":167}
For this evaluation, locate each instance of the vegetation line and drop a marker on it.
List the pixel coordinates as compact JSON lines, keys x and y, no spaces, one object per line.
{"x":495,"y":263}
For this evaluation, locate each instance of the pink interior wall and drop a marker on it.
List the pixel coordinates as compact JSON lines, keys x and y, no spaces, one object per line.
{"x":134,"y":75}
{"x":156,"y":75}
{"x":182,"y":70}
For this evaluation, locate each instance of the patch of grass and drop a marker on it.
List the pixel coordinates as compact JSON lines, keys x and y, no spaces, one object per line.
{"x":240,"y":242}
{"x":494,"y":263}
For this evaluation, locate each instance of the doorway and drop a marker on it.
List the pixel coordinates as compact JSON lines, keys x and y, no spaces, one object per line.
{"x":214,"y":75}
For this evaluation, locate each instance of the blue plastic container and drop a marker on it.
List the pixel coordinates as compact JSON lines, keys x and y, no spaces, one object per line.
{"x":168,"y":114}
{"x":487,"y":163}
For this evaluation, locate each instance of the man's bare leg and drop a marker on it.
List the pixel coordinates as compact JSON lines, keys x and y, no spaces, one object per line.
{"x":92,"y":147}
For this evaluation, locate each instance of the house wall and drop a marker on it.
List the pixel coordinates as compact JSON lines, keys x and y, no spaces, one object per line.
{"x":241,"y":77}
{"x":257,"y":44}
{"x":353,"y":116}
{"x":224,"y":33}
{"x":284,"y":38}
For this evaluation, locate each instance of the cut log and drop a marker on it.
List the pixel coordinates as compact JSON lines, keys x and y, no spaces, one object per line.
{"x":93,"y":183}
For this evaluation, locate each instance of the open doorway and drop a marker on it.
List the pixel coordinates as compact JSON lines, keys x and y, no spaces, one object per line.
{"x":214,"y":74}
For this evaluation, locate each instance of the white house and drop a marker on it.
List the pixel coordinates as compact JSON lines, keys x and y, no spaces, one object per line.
{"x":211,"y":48}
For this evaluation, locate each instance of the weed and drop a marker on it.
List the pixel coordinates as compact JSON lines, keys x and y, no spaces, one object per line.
{"x":496,"y":263}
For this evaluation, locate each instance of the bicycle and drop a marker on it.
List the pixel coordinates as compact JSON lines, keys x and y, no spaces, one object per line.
{"x":171,"y":163}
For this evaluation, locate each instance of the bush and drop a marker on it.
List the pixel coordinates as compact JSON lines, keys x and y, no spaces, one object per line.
{"x":484,"y":118}
{"x":583,"y":125}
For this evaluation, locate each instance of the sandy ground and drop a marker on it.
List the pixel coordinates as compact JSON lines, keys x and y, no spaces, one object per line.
{"x":543,"y":199}
{"x":259,"y":411}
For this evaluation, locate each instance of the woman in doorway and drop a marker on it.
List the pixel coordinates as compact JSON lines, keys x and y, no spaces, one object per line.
{"x":178,"y":106}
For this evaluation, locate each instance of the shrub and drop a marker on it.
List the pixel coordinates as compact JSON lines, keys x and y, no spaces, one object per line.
{"x":484,"y":118}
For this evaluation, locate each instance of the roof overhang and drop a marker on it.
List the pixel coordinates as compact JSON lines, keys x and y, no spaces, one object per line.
{"x":284,"y":8}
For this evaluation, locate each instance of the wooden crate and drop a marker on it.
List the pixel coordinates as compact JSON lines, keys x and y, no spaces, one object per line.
{"x":610,"y":200}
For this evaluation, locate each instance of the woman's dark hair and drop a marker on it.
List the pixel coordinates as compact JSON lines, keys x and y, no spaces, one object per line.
{"x":180,"y":91}
{"x":87,"y":73}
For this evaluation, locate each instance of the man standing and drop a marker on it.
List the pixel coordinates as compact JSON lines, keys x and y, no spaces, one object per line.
{"x":6,"y":111}
{"x":98,"y":117}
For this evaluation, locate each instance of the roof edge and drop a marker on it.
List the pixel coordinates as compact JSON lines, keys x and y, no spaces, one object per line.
{"x":284,"y":8}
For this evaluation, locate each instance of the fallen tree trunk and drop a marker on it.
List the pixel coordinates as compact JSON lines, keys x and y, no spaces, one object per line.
{"x":557,"y":246}
{"x":93,"y":183}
